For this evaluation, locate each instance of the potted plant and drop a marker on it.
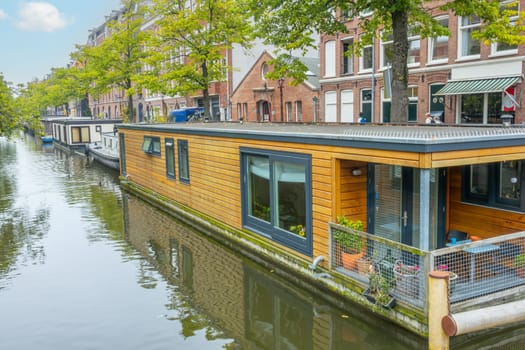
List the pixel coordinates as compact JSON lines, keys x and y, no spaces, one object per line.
{"x":350,"y":244}
{"x":379,"y":289}
{"x":407,"y":279}
{"x":519,"y":265}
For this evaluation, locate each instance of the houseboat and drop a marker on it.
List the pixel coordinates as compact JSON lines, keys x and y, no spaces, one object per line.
{"x":106,"y":152}
{"x":75,"y":133}
{"x":419,"y":198}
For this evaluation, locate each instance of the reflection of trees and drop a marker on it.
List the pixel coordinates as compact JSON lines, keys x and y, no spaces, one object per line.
{"x":20,"y":240}
{"x":7,"y":178}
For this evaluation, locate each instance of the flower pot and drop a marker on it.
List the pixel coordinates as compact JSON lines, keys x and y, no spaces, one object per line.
{"x":363,"y":266}
{"x":407,"y":284}
{"x":349,"y":260}
{"x":389,"y":304}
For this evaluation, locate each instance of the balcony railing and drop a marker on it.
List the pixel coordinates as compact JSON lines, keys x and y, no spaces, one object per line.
{"x":478,"y":269}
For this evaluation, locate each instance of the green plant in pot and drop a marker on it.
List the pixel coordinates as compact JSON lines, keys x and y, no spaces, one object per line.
{"x":379,"y":289}
{"x":519,"y":265}
{"x":349,"y":243}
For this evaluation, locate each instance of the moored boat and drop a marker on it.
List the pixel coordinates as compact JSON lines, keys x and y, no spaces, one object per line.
{"x":106,"y":151}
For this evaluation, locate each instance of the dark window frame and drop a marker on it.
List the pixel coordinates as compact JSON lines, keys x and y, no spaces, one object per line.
{"x":270,"y":229}
{"x":492,"y":198}
{"x":149,"y":147}
{"x":169,"y":149}
{"x":184,"y":160}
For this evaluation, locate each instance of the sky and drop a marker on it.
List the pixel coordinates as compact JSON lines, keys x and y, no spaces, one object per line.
{"x":37,"y":35}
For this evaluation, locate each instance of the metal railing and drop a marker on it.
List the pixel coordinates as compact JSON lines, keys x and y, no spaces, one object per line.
{"x":477,"y":269}
{"x":401,"y":267}
{"x":482,"y":268}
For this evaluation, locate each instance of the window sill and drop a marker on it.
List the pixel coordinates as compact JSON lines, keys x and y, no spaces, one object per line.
{"x":503,"y":54}
{"x":468,"y":58}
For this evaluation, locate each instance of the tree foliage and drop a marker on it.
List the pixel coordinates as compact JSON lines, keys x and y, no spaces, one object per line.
{"x":187,"y":50}
{"x":116,"y":61}
{"x":291,"y":25}
{"x":9,"y":119}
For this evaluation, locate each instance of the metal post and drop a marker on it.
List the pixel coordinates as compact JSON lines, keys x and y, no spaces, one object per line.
{"x":438,"y":308}
{"x":424,"y":211}
{"x":281,"y":82}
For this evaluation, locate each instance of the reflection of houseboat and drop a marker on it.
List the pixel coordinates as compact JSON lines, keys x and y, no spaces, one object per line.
{"x":278,"y":190}
{"x":106,"y":151}
{"x":75,"y":133}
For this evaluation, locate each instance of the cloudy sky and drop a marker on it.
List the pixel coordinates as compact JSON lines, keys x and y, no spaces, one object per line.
{"x":38,"y":35}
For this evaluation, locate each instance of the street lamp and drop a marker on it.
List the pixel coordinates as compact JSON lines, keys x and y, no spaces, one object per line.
{"x":280,"y":82}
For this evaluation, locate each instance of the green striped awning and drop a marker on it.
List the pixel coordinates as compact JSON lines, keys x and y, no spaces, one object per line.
{"x":479,"y":86}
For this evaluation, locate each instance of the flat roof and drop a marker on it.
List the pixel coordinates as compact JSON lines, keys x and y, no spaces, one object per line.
{"x":419,"y":138}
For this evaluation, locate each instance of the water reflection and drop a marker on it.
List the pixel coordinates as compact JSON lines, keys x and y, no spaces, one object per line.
{"x":221,"y":293}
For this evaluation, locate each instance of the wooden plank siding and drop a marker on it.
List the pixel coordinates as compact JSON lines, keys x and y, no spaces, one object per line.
{"x":215,"y":187}
{"x":478,"y":220}
{"x":215,"y":184}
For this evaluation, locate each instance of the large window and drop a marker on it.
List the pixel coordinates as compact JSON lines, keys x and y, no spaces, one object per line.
{"x":170,"y":158}
{"x":276,"y":194}
{"x":414,"y":48}
{"x":366,"y":60}
{"x":184,"y":163}
{"x":468,"y":46}
{"x":511,"y":10}
{"x":151,"y":145}
{"x":386,"y":49}
{"x":329,"y":50}
{"x":330,"y":107}
{"x":347,"y":57}
{"x":494,"y":184}
{"x":481,"y":108}
{"x":79,"y":134}
{"x":438,"y":49}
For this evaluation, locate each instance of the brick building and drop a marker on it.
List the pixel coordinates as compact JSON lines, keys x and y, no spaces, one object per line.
{"x":458,"y":78}
{"x":259,"y":99}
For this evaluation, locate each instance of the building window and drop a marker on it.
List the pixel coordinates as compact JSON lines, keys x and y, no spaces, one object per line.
{"x":288,"y":107}
{"x":329,"y":56}
{"x":277,"y":199}
{"x":412,"y":103}
{"x":480,"y":108}
{"x":184,"y":163}
{"x":245,"y":110}
{"x":512,"y":9}
{"x":79,"y":134}
{"x":298,"y":111}
{"x":151,"y":145}
{"x":264,"y":71}
{"x":170,"y":158}
{"x":494,"y":184}
{"x":386,"y":49}
{"x":347,"y":106}
{"x":438,"y":48}
{"x":414,"y":48}
{"x":239,"y":111}
{"x":468,"y":47}
{"x":348,"y":56}
{"x":330,"y":107}
{"x":366,"y":105}
{"x":365,"y":61}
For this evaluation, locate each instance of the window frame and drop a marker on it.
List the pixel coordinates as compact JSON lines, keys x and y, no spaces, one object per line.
{"x":347,"y":56}
{"x":151,"y":145}
{"x":183,"y":161}
{"x":432,"y":43}
{"x":467,"y":28}
{"x":494,"y":51}
{"x":169,"y":149}
{"x":492,"y":199}
{"x":270,"y":229}
{"x":330,"y":59}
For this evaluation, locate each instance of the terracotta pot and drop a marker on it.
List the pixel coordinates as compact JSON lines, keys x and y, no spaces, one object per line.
{"x":350,"y":260}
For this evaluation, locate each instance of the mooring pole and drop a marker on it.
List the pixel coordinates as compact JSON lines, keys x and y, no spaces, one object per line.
{"x":438,"y":308}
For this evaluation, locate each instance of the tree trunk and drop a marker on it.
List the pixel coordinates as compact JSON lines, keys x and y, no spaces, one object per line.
{"x":206,"y":93}
{"x":130,"y":110}
{"x":399,"y":106}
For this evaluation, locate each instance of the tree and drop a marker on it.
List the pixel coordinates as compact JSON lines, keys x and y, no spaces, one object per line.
{"x":187,"y":52}
{"x":291,"y":24}
{"x":116,"y":62}
{"x":9,"y":121}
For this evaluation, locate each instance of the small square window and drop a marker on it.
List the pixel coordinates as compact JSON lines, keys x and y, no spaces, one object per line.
{"x":151,"y":145}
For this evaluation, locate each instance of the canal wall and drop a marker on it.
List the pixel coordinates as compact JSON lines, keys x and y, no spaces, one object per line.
{"x":335,"y":289}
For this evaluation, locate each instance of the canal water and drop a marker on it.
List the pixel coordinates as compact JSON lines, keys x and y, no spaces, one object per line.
{"x":84,"y":265}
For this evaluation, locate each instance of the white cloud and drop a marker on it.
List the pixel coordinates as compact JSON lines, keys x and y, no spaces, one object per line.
{"x":40,"y":17}
{"x":3,"y":15}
